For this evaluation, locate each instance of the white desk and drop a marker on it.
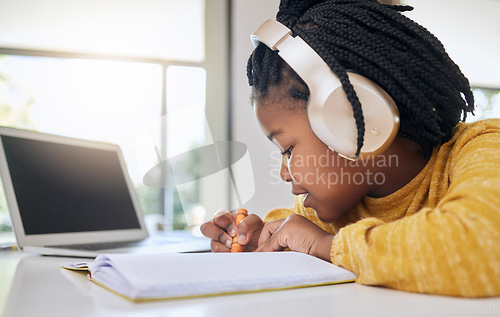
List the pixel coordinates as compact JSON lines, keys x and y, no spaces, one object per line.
{"x":37,"y":286}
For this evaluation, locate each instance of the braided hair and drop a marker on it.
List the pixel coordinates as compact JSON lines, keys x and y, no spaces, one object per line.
{"x":378,"y":42}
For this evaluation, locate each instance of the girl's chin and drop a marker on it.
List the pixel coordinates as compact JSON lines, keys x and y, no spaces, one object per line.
{"x":306,"y":201}
{"x":327,"y":216}
{"x":324,"y":215}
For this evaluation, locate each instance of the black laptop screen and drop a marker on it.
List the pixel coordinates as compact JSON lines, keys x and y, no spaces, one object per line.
{"x":63,"y":188}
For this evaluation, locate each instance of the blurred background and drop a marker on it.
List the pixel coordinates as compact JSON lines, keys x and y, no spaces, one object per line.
{"x":119,"y":70}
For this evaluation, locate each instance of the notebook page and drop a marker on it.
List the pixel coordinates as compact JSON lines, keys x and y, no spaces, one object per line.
{"x":194,"y":274}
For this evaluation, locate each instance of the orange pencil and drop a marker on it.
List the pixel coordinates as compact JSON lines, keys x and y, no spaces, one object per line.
{"x":236,"y":247}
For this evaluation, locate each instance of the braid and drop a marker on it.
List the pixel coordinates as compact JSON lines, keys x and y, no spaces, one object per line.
{"x":375,"y":40}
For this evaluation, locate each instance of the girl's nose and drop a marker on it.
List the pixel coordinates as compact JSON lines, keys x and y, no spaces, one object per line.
{"x":285,"y":172}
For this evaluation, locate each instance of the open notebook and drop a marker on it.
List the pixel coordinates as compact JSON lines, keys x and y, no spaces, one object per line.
{"x":168,"y":276}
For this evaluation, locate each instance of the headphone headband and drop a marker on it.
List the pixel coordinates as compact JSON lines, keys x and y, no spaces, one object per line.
{"x":329,"y":112}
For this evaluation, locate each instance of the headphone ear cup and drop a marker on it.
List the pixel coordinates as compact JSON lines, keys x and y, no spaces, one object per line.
{"x":335,"y":125}
{"x":329,"y":111}
{"x":333,"y":122}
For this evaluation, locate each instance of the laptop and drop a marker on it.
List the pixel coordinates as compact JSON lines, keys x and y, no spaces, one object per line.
{"x":73,"y":197}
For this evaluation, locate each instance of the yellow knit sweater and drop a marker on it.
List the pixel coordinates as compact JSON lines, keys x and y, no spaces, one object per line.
{"x":438,"y":234}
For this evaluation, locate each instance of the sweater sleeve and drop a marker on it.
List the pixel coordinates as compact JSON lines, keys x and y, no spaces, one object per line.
{"x":452,"y":249}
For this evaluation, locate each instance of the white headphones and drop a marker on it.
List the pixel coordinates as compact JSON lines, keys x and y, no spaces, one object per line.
{"x":329,"y":112}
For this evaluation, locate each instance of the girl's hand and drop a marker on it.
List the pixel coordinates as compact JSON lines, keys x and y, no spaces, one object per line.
{"x":297,"y":233}
{"x":223,"y":228}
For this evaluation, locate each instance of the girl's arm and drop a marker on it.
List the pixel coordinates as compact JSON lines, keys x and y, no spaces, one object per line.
{"x":451,"y":249}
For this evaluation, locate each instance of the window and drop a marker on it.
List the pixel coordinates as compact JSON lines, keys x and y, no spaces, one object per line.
{"x":90,"y":99}
{"x":75,"y":85}
{"x":487,"y":104}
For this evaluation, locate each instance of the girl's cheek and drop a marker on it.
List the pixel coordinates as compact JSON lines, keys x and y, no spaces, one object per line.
{"x":300,"y":173}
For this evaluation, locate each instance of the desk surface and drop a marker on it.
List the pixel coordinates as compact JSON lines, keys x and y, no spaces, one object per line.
{"x":37,"y":286}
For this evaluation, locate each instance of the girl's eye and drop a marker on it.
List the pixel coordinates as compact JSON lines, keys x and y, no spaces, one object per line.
{"x":288,"y":152}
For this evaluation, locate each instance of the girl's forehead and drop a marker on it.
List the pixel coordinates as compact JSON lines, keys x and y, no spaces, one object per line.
{"x":267,"y":115}
{"x":270,"y":112}
{"x":278,"y":103}
{"x":276,"y":120}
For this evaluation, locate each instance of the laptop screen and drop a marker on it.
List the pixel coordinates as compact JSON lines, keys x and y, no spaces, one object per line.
{"x":63,"y":188}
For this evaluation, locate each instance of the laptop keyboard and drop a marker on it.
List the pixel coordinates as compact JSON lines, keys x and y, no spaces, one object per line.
{"x":151,"y":241}
{"x":101,"y":246}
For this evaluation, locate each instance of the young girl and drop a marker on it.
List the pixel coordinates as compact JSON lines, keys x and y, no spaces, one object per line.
{"x":422,"y":216}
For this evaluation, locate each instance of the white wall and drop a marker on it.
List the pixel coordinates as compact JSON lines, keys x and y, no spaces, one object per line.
{"x":467,"y":28}
{"x":469,"y":31}
{"x":247,"y":15}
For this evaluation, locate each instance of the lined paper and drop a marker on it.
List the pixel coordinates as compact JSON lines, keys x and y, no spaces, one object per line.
{"x":158,"y":276}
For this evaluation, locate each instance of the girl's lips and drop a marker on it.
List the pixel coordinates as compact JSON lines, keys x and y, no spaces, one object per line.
{"x":297,"y":190}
